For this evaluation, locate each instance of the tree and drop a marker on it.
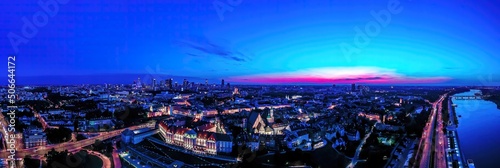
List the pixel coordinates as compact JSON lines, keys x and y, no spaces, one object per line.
{"x":373,"y":139}
{"x":50,"y":155}
{"x":36,"y":123}
{"x":131,"y":115}
{"x":106,"y":127}
{"x":109,"y":147}
{"x":56,"y":157}
{"x":236,"y":131}
{"x":80,"y":137}
{"x":58,"y":135}
{"x":279,"y":159}
{"x":297,"y":154}
{"x":75,"y":125}
{"x":106,"y":114}
{"x":98,"y":145}
{"x":29,"y":162}
{"x":118,"y":145}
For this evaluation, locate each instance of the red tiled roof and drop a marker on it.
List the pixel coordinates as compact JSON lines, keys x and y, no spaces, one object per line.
{"x":162,"y":124}
{"x":171,"y":129}
{"x":204,"y":135}
{"x":206,"y":127}
{"x":181,"y":131}
{"x":219,"y":137}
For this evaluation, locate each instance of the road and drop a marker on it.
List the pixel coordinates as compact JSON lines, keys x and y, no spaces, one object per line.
{"x":354,"y":160}
{"x":106,"y":163}
{"x":70,"y":145}
{"x":18,"y":136}
{"x":426,"y":147}
{"x":116,"y":158}
{"x":405,"y":153}
{"x":4,"y":131}
{"x":39,"y":118}
{"x":439,"y":154}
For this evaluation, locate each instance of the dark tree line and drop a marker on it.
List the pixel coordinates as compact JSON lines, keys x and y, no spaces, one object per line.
{"x":58,"y":135}
{"x":418,"y":123}
{"x":66,"y":159}
{"x":131,"y":116}
{"x":493,"y":95}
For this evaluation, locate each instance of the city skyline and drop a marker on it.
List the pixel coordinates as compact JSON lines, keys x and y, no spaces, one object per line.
{"x":131,"y":78}
{"x":250,"y":83}
{"x":298,"y":42}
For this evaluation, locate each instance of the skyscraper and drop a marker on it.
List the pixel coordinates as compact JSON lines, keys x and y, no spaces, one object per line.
{"x":169,"y":83}
{"x":206,"y":82}
{"x":139,"y":84}
{"x":353,"y":87}
{"x":154,"y":83}
{"x":222,"y":83}
{"x":161,"y":83}
{"x":185,"y":83}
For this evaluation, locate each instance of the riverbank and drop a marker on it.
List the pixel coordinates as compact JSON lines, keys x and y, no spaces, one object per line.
{"x":452,"y":139}
{"x":446,"y":110}
{"x":495,"y":99}
{"x":454,"y":114}
{"x":492,"y":96}
{"x":450,"y":112}
{"x":480,"y":118}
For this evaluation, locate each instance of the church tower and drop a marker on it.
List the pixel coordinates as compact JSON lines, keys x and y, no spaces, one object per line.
{"x":270,"y":117}
{"x":219,"y":127}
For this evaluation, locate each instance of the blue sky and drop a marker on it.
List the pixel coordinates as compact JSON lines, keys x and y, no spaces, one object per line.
{"x":258,"y":41}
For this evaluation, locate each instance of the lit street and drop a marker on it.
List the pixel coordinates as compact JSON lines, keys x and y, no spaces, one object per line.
{"x":70,"y":145}
{"x":426,"y":146}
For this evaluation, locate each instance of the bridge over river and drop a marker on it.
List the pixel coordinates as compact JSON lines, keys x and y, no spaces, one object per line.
{"x":470,"y":97}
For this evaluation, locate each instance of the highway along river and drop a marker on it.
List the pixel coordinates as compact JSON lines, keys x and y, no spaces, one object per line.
{"x":479,"y":130}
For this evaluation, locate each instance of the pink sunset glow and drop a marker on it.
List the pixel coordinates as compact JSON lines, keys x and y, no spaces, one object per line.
{"x":339,"y":75}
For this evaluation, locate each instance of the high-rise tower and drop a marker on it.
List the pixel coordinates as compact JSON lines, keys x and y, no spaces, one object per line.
{"x":139,"y":84}
{"x":154,"y":83}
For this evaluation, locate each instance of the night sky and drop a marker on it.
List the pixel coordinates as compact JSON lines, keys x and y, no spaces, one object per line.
{"x":256,"y":41}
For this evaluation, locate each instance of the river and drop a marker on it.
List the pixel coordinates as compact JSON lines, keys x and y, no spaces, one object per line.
{"x":479,"y":130}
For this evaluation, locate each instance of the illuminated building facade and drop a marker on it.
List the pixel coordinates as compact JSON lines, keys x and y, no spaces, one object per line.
{"x":197,"y":141}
